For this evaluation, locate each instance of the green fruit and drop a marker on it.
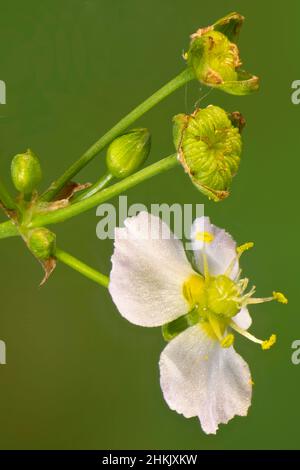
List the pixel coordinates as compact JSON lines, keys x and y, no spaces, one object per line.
{"x":26,"y":172}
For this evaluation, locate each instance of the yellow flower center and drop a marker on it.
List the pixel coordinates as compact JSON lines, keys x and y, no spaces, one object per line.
{"x":216,"y":301}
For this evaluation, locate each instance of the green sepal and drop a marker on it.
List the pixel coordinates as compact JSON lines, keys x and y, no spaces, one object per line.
{"x":180,"y":122}
{"x":175,"y":327}
{"x":244,"y":85}
{"x":230,"y":25}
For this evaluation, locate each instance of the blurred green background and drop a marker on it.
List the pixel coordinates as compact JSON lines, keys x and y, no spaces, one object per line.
{"x":78,"y":376}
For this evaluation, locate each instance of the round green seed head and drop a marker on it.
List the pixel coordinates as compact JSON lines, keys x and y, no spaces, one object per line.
{"x":214,"y":57}
{"x":209,"y":147}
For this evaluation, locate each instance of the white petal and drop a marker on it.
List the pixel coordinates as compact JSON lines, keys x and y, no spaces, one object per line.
{"x":220,"y":252}
{"x":243,"y":319}
{"x":149,"y":267}
{"x":200,"y":378}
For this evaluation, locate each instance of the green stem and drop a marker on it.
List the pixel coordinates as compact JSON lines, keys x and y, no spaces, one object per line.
{"x":184,"y":77}
{"x":6,"y":198}
{"x":82,"y":268}
{"x":72,"y":210}
{"x":98,"y":186}
{"x":8,"y":229}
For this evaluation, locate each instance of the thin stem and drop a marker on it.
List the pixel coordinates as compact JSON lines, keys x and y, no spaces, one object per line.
{"x":8,"y":229}
{"x":95,"y":188}
{"x":72,"y":210}
{"x":6,"y":198}
{"x":184,"y":77}
{"x":82,"y":268}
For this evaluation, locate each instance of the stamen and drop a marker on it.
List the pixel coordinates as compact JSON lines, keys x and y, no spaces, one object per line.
{"x":215,"y":325}
{"x":245,"y":333}
{"x":242,"y":248}
{"x":239,"y":274}
{"x":258,"y":300}
{"x":246,"y":298}
{"x":205,"y":237}
{"x":269,"y":342}
{"x":192,"y":289}
{"x":227,"y":341}
{"x":205,"y":264}
{"x":266,"y":344}
{"x":243,"y":284}
{"x":281,"y":298}
{"x":231,"y":266}
{"x":276,"y":296}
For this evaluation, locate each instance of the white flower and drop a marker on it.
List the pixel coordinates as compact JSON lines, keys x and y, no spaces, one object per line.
{"x":152,"y":284}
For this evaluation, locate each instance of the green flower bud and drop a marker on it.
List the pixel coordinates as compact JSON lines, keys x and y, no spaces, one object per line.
{"x":128,"y":152}
{"x":42,"y":243}
{"x":26,"y":172}
{"x":209,"y":146}
{"x":214,"y":57}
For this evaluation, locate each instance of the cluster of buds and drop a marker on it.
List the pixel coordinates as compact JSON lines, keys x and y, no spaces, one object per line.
{"x":26,"y":175}
{"x":208,"y":141}
{"x":125,"y":155}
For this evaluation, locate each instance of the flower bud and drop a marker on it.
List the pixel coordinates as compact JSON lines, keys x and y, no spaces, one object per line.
{"x":42,"y":243}
{"x":26,"y":171}
{"x":209,"y":146}
{"x":214,"y":57}
{"x":128,"y":152}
